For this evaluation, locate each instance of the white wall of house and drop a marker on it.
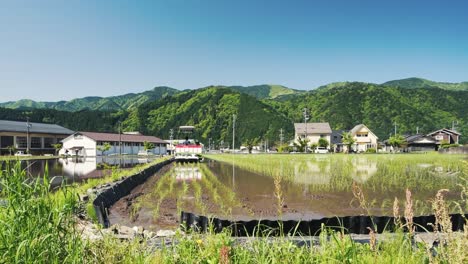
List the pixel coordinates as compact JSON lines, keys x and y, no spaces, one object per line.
{"x":314,"y":138}
{"x":364,"y":139}
{"x":87,"y":145}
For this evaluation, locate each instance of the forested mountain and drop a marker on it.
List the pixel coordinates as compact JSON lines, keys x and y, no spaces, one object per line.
{"x":379,"y":107}
{"x":211,"y":110}
{"x":423,"y":83}
{"x":85,"y":120}
{"x":266,"y":91}
{"x":113,"y":103}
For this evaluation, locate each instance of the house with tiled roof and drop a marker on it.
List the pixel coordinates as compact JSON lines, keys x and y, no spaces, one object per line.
{"x":312,"y":132}
{"x":88,"y":144}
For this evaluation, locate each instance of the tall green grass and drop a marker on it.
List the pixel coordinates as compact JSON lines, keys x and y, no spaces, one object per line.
{"x":36,"y":226}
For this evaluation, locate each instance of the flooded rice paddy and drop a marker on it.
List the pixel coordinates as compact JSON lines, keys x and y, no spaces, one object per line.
{"x":77,"y":169}
{"x":244,"y":187}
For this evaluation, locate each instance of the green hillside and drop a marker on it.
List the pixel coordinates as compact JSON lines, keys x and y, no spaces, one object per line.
{"x":113,"y":103}
{"x":423,"y":83}
{"x":211,"y":110}
{"x":379,"y":107}
{"x":265,"y":91}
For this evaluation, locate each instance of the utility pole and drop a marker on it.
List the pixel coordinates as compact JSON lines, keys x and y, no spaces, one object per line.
{"x":281,"y":136}
{"x":209,"y":144}
{"x":395,"y":128}
{"x":171,"y":137}
{"x":120,"y":138}
{"x":306,"y":117}
{"x":28,"y":126}
{"x":233,"y":132}
{"x":454,"y":123}
{"x":417,"y":130}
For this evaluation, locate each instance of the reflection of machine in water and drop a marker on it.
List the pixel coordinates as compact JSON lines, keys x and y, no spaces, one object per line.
{"x":189,"y":150}
{"x":187,"y":173}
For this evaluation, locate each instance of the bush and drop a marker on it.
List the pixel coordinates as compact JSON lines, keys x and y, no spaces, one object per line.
{"x":371,"y":150}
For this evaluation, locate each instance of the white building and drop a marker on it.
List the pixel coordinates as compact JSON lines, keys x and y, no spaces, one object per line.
{"x":87,"y":144}
{"x":313,"y":132}
{"x":364,"y":138}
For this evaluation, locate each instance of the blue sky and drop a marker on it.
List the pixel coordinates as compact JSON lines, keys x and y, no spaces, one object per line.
{"x":59,"y":50}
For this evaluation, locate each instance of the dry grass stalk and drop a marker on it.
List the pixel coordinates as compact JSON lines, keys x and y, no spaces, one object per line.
{"x":373,"y":239}
{"x":359,"y":195}
{"x":224,"y":253}
{"x":442,"y":217}
{"x":279,"y":195}
{"x":396,"y":212}
{"x":409,"y":212}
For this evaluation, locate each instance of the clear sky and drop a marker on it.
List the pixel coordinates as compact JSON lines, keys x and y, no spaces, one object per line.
{"x":59,"y":50}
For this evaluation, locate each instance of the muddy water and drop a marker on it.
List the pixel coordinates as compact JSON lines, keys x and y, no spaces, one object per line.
{"x":227,"y":191}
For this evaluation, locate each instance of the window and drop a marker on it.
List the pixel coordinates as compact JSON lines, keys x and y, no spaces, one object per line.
{"x":36,"y":142}
{"x":6,"y":141}
{"x":21,"y":142}
{"x":322,"y":136}
{"x":48,"y":142}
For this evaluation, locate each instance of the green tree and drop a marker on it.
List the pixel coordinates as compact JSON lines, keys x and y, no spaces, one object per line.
{"x":301,"y":144}
{"x":323,"y":143}
{"x":104,"y":147}
{"x":148,"y":145}
{"x":396,"y":141}
{"x":313,"y":146}
{"x":11,"y":149}
{"x":348,"y":140}
{"x":57,"y":147}
{"x":250,"y":143}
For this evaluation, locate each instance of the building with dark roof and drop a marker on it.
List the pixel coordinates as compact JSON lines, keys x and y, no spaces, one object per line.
{"x":447,"y":135}
{"x":420,"y":142}
{"x":37,"y":137}
{"x":88,"y":144}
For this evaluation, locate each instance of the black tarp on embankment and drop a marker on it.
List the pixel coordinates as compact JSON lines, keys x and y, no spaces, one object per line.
{"x":347,"y":224}
{"x":108,"y":197}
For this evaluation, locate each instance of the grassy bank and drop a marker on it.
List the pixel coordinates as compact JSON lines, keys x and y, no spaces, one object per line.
{"x":13,"y":158}
{"x":39,"y":227}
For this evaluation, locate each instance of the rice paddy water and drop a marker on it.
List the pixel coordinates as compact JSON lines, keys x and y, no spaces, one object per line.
{"x":262,"y":186}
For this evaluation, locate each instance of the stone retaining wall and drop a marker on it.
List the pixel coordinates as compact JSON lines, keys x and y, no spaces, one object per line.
{"x":109,"y":195}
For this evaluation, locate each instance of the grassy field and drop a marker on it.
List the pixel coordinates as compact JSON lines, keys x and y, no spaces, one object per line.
{"x":40,"y":227}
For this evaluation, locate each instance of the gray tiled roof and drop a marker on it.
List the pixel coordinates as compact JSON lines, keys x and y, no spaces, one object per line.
{"x":312,"y":128}
{"x":112,"y":137}
{"x":21,"y":127}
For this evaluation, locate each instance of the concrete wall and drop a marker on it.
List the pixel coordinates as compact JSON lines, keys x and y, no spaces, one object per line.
{"x":456,"y":150}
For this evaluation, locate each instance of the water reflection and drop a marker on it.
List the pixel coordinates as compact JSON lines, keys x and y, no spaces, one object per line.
{"x":76,"y":169}
{"x":312,"y":172}
{"x":363,"y":169}
{"x":187,"y":173}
